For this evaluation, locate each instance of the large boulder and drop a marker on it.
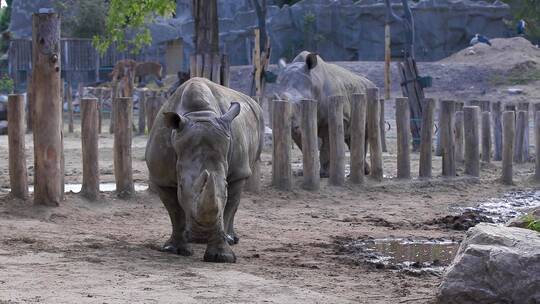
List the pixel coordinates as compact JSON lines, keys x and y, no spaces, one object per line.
{"x":494,"y":264}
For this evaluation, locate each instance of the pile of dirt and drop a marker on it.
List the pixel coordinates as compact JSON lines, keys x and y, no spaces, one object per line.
{"x":507,"y":52}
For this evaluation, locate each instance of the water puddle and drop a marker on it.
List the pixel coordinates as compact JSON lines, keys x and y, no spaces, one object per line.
{"x":105,"y":187}
{"x":510,"y":205}
{"x":416,"y":256}
{"x":493,"y":210}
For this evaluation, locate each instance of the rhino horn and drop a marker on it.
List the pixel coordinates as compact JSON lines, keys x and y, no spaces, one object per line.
{"x":208,"y":205}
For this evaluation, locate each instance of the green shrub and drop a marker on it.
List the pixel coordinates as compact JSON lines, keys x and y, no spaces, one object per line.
{"x":6,"y":85}
{"x":532,"y":223}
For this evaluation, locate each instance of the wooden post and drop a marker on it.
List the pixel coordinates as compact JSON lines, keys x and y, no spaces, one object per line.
{"x":69,"y":99}
{"x":192,"y":66}
{"x":18,"y":176}
{"x":142,"y":112}
{"x":524,"y":106}
{"x":29,"y":103}
{"x":216,"y":69}
{"x":199,"y":65}
{"x":281,"y":137}
{"x":358,"y":138}
{"x":98,"y":94}
{"x":459,"y":106}
{"x":207,"y":70}
{"x":426,"y":138}
{"x":438,"y":144}
{"x":447,"y":138}
{"x":225,"y":70}
{"x":387,"y":60}
{"x":90,"y":148}
{"x":382,"y":127}
{"x":374,"y":134}
{"x":497,"y":130}
{"x":472,"y":140}
{"x":459,"y":136}
{"x":114,"y":94}
{"x":486,"y":137}
{"x":509,"y":124}
{"x":123,"y":173}
{"x":310,"y":145}
{"x":152,"y":108}
{"x":519,"y":155}
{"x":336,"y":134}
{"x":257,"y":62}
{"x":403,"y":138}
{"x":537,"y":146}
{"x":48,"y":109}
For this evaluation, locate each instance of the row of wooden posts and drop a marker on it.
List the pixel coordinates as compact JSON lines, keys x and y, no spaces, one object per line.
{"x":463,"y":130}
{"x":149,"y":104}
{"x":122,"y":109}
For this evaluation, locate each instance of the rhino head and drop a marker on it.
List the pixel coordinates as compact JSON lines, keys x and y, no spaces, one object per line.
{"x":201,"y":140}
{"x":296,"y":81}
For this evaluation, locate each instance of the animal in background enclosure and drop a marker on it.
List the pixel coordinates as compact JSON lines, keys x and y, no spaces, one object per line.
{"x":201,"y":150}
{"x":520,"y":28}
{"x":308,"y":76}
{"x":148,"y":69}
{"x":123,"y":68}
{"x":480,"y":39}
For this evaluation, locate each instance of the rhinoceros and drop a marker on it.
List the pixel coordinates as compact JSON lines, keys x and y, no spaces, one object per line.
{"x":308,"y":76}
{"x":202,"y":148}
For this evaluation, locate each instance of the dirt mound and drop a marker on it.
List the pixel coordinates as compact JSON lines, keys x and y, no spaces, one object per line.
{"x":503,"y":52}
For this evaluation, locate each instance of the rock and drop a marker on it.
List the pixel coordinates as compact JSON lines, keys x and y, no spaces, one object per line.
{"x":521,"y":222}
{"x":494,"y":264}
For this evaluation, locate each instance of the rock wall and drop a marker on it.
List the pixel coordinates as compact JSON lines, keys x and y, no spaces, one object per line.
{"x":343,"y":30}
{"x":340,"y":30}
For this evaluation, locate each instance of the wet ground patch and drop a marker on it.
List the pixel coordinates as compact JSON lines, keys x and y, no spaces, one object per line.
{"x":411,"y":256}
{"x":493,"y":210}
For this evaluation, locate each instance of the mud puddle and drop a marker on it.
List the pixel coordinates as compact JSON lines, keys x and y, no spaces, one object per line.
{"x":494,"y":210}
{"x":412,"y":256}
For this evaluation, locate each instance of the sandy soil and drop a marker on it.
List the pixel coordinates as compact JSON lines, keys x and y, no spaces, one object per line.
{"x":106,"y":251}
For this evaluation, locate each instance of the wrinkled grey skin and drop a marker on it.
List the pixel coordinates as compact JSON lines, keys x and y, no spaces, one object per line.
{"x":307,"y":78}
{"x":202,"y":148}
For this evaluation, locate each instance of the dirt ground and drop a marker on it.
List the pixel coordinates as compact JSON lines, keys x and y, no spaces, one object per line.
{"x":107,"y":251}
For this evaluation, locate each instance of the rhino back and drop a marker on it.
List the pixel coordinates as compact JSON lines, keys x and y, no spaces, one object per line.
{"x":331,"y":80}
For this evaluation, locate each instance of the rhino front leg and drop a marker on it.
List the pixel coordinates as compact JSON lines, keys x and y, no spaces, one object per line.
{"x":178,"y":242}
{"x":233,"y":201}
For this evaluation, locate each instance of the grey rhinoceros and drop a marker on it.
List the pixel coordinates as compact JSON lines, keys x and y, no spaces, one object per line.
{"x":308,"y":76}
{"x":202,"y":148}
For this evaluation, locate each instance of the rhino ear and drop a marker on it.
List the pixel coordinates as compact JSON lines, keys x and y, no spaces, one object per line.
{"x":233,"y":111}
{"x":311,"y":60}
{"x":174,"y":121}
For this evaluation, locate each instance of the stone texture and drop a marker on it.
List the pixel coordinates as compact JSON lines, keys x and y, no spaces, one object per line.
{"x":339,"y":30}
{"x":494,"y":264}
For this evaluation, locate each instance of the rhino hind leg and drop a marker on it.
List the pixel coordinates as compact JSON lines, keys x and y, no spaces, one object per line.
{"x":178,"y":242}
{"x":233,"y":201}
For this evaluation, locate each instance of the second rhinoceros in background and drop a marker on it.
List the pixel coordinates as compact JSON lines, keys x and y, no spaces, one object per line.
{"x":308,"y":76}
{"x":202,"y":148}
